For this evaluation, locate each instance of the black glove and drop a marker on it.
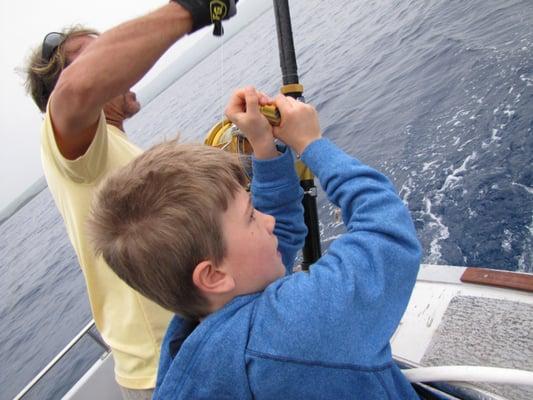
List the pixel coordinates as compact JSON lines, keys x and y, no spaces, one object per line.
{"x":207,"y":12}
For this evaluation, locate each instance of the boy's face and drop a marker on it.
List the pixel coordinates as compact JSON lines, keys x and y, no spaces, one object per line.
{"x":252,"y":256}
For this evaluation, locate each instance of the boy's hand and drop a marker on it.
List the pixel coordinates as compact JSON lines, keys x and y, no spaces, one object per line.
{"x":299,"y":125}
{"x":243,"y":111}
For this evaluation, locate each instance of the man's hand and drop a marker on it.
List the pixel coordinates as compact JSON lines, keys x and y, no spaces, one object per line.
{"x":207,"y":12}
{"x":243,"y":111}
{"x":299,"y":125}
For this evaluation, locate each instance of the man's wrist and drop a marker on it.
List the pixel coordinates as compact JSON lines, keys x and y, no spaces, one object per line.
{"x":184,"y":15}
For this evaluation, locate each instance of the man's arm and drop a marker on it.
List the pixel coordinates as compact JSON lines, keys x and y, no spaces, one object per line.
{"x":108,"y":67}
{"x":113,"y":63}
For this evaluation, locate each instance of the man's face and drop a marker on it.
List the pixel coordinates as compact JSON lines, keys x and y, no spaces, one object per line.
{"x":252,"y":255}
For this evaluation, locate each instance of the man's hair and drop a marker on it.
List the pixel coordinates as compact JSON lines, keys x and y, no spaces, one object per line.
{"x":159,"y":216}
{"x":42,"y":75}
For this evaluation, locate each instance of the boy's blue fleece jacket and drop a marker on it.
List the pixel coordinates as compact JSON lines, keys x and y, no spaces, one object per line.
{"x":318,"y":335}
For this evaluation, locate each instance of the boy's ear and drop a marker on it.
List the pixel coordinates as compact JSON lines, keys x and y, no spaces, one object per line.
{"x":212,"y":280}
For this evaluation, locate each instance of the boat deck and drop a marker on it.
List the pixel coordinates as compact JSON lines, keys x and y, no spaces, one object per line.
{"x":451,"y":322}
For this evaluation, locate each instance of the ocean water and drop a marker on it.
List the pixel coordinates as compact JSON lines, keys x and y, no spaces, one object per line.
{"x":436,"y":94}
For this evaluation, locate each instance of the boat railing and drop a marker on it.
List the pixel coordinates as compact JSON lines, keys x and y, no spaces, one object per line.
{"x":470,"y":373}
{"x":460,"y":382}
{"x":87,"y":331}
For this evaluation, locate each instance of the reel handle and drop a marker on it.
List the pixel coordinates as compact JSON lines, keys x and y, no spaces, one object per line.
{"x":271,"y":113}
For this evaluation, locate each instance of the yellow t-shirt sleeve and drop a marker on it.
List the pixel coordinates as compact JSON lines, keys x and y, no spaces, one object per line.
{"x":86,"y":168}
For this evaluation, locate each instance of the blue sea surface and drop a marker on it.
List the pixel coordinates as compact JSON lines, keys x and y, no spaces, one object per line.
{"x":437,"y":94}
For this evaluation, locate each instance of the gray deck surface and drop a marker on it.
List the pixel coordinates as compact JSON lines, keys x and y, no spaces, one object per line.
{"x":486,"y":332}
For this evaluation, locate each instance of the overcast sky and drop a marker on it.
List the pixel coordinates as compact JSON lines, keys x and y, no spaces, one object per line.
{"x":23,"y":25}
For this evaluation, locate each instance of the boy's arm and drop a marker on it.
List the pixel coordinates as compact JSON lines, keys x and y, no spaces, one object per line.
{"x":347,"y":307}
{"x":372,"y":268}
{"x":276,"y":191}
{"x":275,"y":186}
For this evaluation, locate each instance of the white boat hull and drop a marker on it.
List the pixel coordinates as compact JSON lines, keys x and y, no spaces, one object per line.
{"x":437,"y":289}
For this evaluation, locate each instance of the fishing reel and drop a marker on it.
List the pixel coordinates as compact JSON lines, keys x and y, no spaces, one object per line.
{"x":226,"y":136}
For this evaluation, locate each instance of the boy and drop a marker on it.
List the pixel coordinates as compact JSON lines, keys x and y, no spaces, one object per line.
{"x":244,"y":331}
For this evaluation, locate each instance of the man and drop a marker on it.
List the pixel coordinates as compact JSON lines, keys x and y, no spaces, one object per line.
{"x":81,"y":81}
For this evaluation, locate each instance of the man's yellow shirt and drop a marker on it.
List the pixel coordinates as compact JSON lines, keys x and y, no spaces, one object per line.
{"x":130,"y":324}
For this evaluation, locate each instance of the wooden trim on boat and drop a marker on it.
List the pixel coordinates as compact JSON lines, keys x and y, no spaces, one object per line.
{"x":505,"y":279}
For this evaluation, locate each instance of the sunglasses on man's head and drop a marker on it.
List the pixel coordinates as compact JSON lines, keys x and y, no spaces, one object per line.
{"x":50,"y":44}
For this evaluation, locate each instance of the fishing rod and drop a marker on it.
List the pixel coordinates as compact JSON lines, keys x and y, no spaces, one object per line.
{"x":292,"y":87}
{"x":225,"y":136}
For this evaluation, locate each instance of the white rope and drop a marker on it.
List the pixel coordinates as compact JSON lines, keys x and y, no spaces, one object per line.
{"x":221,"y":89}
{"x":469,"y":374}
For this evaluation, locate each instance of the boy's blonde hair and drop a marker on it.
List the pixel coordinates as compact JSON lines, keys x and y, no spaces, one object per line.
{"x":159,"y":216}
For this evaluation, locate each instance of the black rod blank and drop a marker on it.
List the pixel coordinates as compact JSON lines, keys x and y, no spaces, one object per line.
{"x":289,"y":68}
{"x":287,"y":55}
